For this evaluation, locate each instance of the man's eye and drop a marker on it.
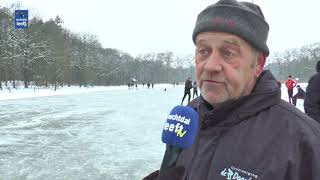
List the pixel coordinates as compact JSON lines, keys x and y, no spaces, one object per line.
{"x":227,"y":53}
{"x":203,"y":52}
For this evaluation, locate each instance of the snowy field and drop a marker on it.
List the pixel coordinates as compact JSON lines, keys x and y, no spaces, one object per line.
{"x":10,"y":93}
{"x":107,"y":133}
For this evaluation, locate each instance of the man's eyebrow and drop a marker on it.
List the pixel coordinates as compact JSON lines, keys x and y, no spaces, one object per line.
{"x":200,"y":41}
{"x":232,"y":42}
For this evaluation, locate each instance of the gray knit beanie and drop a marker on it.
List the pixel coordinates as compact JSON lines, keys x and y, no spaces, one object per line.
{"x":243,"y":19}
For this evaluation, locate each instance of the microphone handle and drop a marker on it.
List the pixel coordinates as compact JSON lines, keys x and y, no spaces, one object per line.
{"x":170,"y":157}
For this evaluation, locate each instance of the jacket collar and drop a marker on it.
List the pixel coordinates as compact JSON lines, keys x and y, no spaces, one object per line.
{"x":265,"y":94}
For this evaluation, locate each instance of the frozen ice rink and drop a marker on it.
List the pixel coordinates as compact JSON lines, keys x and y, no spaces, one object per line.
{"x":109,"y":134}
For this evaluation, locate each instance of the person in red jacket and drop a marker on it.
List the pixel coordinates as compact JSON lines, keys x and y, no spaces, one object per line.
{"x":290,"y":83}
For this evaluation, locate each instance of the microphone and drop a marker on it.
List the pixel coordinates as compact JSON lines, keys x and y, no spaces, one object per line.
{"x":179,"y":132}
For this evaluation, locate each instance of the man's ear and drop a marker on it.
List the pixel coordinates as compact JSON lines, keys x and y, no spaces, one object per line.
{"x":260,"y":64}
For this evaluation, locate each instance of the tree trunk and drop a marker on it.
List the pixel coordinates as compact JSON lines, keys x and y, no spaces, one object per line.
{"x":25,"y":74}
{"x":25,"y":83}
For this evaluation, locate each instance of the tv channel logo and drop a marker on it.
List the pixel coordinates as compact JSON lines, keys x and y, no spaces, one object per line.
{"x":21,"y":19}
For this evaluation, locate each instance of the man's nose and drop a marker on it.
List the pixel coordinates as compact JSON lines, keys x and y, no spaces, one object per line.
{"x":214,"y":62}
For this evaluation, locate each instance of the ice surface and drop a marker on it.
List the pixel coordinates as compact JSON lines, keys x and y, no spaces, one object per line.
{"x":110,"y":133}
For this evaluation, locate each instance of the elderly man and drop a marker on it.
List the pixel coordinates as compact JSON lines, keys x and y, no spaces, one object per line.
{"x":247,"y":132}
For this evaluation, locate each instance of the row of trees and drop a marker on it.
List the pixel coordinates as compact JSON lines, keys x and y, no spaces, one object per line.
{"x":300,"y":62}
{"x":46,"y":53}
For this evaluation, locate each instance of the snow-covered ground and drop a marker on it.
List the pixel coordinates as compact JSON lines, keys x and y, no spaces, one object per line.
{"x":112,"y":134}
{"x":10,"y":93}
{"x":108,"y":133}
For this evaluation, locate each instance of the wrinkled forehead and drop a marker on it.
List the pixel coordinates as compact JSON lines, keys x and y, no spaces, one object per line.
{"x":220,"y":38}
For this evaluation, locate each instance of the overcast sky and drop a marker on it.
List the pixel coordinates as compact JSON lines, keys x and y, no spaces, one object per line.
{"x":143,"y":26}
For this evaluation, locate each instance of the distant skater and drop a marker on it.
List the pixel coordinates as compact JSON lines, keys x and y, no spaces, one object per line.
{"x":300,"y":95}
{"x":187,"y":88}
{"x":290,"y":83}
{"x":195,"y":89}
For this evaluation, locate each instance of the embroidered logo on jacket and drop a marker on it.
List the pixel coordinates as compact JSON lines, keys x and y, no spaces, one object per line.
{"x":234,"y":173}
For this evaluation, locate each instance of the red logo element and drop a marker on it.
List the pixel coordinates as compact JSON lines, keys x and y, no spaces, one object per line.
{"x":223,"y":21}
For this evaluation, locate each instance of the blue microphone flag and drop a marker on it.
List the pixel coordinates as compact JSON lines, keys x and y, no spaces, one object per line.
{"x":180,"y":128}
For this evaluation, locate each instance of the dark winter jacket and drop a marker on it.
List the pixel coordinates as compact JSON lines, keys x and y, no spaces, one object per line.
{"x":312,"y":99}
{"x":258,"y":137}
{"x":187,"y":85}
{"x":301,"y":94}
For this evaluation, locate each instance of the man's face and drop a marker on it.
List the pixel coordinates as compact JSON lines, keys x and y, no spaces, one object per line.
{"x":226,"y":66}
